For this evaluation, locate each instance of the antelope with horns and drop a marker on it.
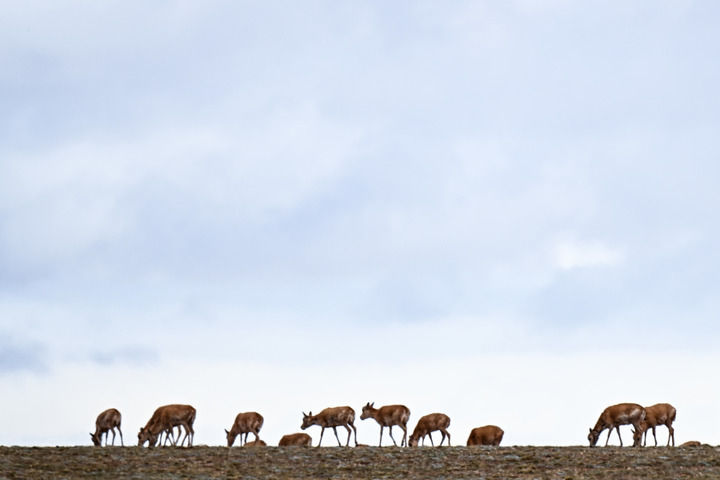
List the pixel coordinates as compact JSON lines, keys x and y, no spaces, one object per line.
{"x":613,"y":417}
{"x":166,"y":418}
{"x":245,"y":423}
{"x":388,"y":416}
{"x":332,"y":418}
{"x":108,"y":420}
{"x":656,"y":415}
{"x":428,"y":424}
{"x":295,"y":440}
{"x":487,"y":435}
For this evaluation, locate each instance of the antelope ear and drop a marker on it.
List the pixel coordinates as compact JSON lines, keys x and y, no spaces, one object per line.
{"x":372,"y":404}
{"x":590,"y":430}
{"x":227,"y":432}
{"x":304,"y":414}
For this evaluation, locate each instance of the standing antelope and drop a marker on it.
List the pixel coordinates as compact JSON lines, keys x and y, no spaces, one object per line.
{"x":108,"y":420}
{"x":165,"y":418}
{"x":613,"y":417}
{"x":659,"y":414}
{"x":295,"y":440}
{"x":332,"y":417}
{"x":428,"y":424}
{"x":388,"y":416}
{"x":487,"y":435}
{"x":245,"y":423}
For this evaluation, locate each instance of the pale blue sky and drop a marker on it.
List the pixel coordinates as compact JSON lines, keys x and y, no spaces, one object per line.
{"x":328,"y":185}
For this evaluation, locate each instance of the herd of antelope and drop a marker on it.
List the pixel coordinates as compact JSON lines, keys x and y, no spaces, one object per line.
{"x":166,"y":418}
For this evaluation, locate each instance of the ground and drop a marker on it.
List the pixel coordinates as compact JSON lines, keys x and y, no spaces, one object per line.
{"x":476,"y":463}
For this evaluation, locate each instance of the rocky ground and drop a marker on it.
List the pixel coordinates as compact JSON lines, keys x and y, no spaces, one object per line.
{"x":360,"y":463}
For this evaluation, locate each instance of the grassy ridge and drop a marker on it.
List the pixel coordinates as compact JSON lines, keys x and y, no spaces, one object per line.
{"x":360,"y":463}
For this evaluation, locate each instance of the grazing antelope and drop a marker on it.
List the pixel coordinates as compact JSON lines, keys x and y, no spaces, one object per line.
{"x":108,"y":420}
{"x":428,"y":424}
{"x":388,"y":416}
{"x":166,"y":418}
{"x":170,"y":436}
{"x":332,"y":417}
{"x":487,"y":435}
{"x":656,"y":415}
{"x":245,"y":423}
{"x":613,"y":417}
{"x":255,"y":443}
{"x":295,"y":440}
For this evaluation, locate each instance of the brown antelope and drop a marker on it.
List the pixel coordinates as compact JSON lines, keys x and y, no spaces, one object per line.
{"x":388,"y":416}
{"x":255,"y":443}
{"x":613,"y":417}
{"x":656,"y":415}
{"x":691,"y":443}
{"x":332,"y":418}
{"x":487,"y":435}
{"x":170,"y":436}
{"x":184,"y":416}
{"x":295,"y":440}
{"x":166,"y":418}
{"x":428,"y":424}
{"x":108,"y":420}
{"x":245,"y":423}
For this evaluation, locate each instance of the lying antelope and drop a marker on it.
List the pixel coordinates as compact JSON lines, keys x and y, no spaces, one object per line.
{"x":108,"y":420}
{"x":428,"y":424}
{"x":613,"y":417}
{"x":388,"y":416}
{"x":332,"y":418}
{"x":487,"y":435}
{"x":656,"y":415}
{"x":691,"y":443}
{"x":164,"y":419}
{"x":245,"y":423}
{"x":295,"y":440}
{"x":255,"y":443}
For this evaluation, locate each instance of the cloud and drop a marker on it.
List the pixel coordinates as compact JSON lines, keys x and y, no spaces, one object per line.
{"x":21,"y":356}
{"x":129,"y":355}
{"x":64,"y":202}
{"x":569,"y":255}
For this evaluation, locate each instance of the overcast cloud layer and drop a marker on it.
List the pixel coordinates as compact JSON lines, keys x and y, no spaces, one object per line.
{"x":363,"y":195}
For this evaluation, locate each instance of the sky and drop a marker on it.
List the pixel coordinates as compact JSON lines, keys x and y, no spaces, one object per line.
{"x":505,"y":211}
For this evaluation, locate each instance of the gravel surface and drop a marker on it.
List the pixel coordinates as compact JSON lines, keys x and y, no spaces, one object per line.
{"x":360,"y":463}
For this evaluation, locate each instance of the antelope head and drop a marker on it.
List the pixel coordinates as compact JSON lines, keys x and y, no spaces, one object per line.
{"x":144,"y":435}
{"x":593,"y":437}
{"x":637,"y":436}
{"x":307,"y":420}
{"x":95,"y":439}
{"x":367,"y":411}
{"x":230,"y":438}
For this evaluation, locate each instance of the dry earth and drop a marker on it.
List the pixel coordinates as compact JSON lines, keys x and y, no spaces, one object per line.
{"x":360,"y":463}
